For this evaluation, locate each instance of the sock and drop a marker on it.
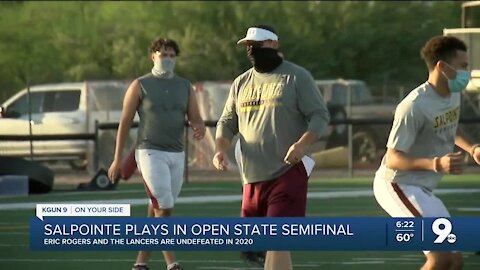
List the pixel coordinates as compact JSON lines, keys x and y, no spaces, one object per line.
{"x":140,"y":264}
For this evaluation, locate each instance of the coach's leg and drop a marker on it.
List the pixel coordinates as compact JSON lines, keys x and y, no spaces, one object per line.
{"x":288,"y":198}
{"x":251,"y":257}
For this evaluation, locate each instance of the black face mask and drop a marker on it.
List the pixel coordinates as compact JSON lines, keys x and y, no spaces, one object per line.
{"x":264,"y":59}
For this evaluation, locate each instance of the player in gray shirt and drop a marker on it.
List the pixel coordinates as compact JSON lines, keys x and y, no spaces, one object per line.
{"x":422,"y":140}
{"x":163,"y":101}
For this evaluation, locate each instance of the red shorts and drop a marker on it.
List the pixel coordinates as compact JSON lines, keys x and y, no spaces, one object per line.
{"x":284,"y":196}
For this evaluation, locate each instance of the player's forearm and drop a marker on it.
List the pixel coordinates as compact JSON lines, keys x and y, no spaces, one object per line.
{"x":462,"y":142}
{"x":122,"y":134}
{"x":196,"y":119}
{"x":193,"y":112}
{"x":130,"y":104}
{"x":194,"y":116}
{"x":400,"y":161}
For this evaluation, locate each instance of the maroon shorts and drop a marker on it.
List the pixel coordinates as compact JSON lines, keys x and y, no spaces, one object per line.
{"x":284,"y":196}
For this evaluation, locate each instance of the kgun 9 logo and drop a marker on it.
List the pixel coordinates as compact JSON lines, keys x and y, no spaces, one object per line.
{"x":442,"y":227}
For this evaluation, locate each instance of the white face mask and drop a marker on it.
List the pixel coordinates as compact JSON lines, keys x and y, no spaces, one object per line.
{"x":163,"y":67}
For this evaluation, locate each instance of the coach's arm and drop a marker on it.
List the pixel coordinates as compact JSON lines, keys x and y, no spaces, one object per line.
{"x":227,"y":128}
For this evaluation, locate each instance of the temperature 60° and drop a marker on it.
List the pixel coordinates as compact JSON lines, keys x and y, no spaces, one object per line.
{"x":404,"y":237}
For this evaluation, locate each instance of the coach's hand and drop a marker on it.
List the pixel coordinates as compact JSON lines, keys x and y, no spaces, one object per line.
{"x":220,"y":161}
{"x":114,"y":171}
{"x":451,"y":163}
{"x":294,"y":154}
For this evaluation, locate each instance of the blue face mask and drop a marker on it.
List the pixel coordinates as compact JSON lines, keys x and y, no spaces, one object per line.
{"x":460,"y":82}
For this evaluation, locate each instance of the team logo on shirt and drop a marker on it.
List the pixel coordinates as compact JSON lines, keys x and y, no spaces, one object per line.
{"x":261,"y":96}
{"x":447,"y":120}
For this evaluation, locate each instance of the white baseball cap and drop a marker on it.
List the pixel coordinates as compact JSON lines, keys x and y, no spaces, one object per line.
{"x":258,"y":34}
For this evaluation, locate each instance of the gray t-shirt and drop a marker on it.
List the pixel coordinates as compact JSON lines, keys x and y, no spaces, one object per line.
{"x":271,"y":111}
{"x":424,"y":126}
{"x":162,"y":111}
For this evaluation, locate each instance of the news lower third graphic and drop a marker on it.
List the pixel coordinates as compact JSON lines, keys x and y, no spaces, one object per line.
{"x":110,"y":227}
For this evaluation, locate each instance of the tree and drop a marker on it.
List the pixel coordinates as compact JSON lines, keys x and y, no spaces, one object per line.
{"x":375,"y":41}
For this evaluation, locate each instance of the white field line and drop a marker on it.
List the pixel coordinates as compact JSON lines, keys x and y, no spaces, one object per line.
{"x":368,"y":262}
{"x":75,"y":192}
{"x":469,"y":209}
{"x":220,"y":262}
{"x":219,"y":198}
{"x":387,"y":259}
{"x":402,"y":260}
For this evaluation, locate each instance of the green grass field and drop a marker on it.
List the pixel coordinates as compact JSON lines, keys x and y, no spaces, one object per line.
{"x":14,"y":229}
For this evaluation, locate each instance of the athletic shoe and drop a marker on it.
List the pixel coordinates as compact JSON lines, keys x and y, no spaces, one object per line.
{"x":253,"y":258}
{"x":176,"y":267}
{"x":139,"y":267}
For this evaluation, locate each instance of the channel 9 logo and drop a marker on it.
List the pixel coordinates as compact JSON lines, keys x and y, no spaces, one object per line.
{"x":442,"y":227}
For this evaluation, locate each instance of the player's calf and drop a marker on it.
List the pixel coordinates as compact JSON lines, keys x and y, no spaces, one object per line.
{"x":457,"y":261}
{"x":439,"y":261}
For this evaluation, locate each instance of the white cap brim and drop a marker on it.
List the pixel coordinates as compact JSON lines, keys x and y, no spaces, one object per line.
{"x":258,"y":34}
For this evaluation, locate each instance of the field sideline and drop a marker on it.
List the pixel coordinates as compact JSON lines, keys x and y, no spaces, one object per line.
{"x":327,"y":198}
